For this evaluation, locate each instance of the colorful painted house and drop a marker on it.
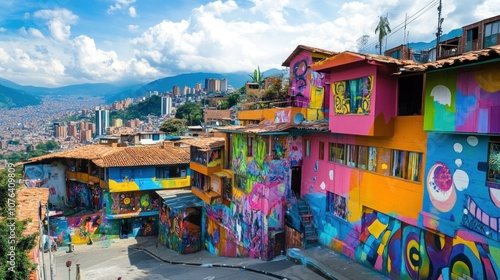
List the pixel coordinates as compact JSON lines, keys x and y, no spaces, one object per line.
{"x":364,"y":179}
{"x":460,"y":232}
{"x":107,"y":191}
{"x":248,"y":220}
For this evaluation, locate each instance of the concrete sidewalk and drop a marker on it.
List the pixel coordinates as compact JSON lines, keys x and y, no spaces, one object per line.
{"x":322,"y":261}
{"x":316,"y":262}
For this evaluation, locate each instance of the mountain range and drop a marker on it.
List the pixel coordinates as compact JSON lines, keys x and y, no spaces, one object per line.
{"x":15,"y":95}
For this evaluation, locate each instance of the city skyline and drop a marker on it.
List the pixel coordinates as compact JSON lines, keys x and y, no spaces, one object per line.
{"x":59,"y":43}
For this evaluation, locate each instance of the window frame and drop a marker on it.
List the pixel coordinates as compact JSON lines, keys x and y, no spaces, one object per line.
{"x":308,"y":148}
{"x":321,"y":150}
{"x":493,"y":174}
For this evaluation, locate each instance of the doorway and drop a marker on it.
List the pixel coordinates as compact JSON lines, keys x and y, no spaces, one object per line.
{"x":296,"y":180}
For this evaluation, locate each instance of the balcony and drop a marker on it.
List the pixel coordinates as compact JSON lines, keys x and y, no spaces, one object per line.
{"x":209,"y":196}
{"x":85,"y":178}
{"x":143,"y":184}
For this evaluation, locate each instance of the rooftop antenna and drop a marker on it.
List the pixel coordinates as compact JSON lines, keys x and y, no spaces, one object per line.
{"x":439,"y":29}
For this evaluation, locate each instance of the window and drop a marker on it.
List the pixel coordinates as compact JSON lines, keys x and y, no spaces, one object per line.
{"x":494,"y":164}
{"x":413,"y":167}
{"x":353,"y":96}
{"x":471,"y":36}
{"x":240,"y":182}
{"x":321,"y":155}
{"x":351,"y":155}
{"x":398,"y":162}
{"x":384,"y":161}
{"x":308,"y":148}
{"x":362,"y":157}
{"x":337,"y":205}
{"x":337,"y":152}
{"x":372,"y":158}
{"x":491,"y":31}
{"x":250,"y":147}
{"x":227,"y":189}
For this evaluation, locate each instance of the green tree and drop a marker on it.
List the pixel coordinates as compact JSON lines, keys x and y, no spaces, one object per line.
{"x":174,"y":126}
{"x":192,"y":112}
{"x":278,"y":88}
{"x":257,"y":77}
{"x":383,"y":29}
{"x":23,"y":244}
{"x":233,"y":99}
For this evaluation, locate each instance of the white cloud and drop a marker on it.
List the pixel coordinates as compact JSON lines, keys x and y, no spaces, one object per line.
{"x":59,"y":21}
{"x":133,"y":27}
{"x":2,"y":29}
{"x":35,"y":32}
{"x":119,"y":5}
{"x":132,"y":12}
{"x":488,"y":8}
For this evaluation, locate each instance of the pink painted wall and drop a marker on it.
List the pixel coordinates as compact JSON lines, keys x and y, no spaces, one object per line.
{"x":383,"y":102}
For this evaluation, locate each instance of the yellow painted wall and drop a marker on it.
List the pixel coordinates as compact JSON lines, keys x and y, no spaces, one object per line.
{"x":386,"y":194}
{"x":269,"y":114}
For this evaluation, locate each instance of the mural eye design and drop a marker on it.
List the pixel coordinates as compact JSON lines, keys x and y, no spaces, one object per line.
{"x":440,"y":187}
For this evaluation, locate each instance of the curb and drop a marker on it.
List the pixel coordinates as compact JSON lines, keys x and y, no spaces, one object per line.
{"x":294,"y":255}
{"x":149,"y":252}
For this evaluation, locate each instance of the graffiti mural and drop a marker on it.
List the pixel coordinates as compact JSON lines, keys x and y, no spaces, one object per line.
{"x":353,"y":96}
{"x":463,"y":100}
{"x":51,"y":176}
{"x":308,"y":87}
{"x":407,"y":252}
{"x":295,"y":150}
{"x":180,"y":230}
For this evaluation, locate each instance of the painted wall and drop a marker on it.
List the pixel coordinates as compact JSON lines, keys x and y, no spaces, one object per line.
{"x":178,"y":233}
{"x":51,"y":176}
{"x":463,"y":100}
{"x":254,"y":220}
{"x":308,"y":87}
{"x":398,"y":198}
{"x":375,"y":107}
{"x":78,"y":229}
{"x":403,"y":251}
{"x":144,"y":178}
{"x":131,"y":203}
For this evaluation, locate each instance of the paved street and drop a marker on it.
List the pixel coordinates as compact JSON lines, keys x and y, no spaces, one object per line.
{"x":124,"y":258}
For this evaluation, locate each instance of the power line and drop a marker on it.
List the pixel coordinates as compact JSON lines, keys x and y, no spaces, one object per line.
{"x":409,"y":20}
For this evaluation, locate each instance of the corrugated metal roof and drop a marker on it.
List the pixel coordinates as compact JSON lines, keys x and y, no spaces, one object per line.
{"x":180,"y":198}
{"x":106,"y":156}
{"x":267,"y":127}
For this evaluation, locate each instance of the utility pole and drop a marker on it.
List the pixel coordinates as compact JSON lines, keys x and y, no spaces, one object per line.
{"x":50,"y":245}
{"x":41,"y":241}
{"x":439,"y":29}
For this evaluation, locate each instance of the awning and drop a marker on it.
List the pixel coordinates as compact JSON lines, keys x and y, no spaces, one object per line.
{"x":179,"y":198}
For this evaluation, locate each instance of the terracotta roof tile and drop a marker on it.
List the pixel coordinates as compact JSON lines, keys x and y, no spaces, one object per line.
{"x":205,"y":142}
{"x":300,"y":48}
{"x":27,"y":207}
{"x":106,"y":156}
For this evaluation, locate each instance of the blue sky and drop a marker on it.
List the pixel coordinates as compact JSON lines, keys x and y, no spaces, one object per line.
{"x":62,"y":42}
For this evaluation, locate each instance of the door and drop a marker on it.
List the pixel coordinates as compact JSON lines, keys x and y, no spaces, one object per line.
{"x":296,"y":180}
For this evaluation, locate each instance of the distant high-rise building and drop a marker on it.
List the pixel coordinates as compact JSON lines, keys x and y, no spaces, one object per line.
{"x":176,"y":90}
{"x":117,"y":122}
{"x":85,"y":135}
{"x":54,"y":127}
{"x":61,"y":132}
{"x":198,"y":87}
{"x":213,"y":85}
{"x":92,"y":128}
{"x":223,"y":85}
{"x":101,"y":121}
{"x":3,"y":144}
{"x":166,"y":105}
{"x":72,"y":129}
{"x":151,"y":93}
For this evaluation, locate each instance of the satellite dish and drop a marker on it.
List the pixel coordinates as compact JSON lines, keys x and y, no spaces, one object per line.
{"x":216,"y":123}
{"x":298,"y":118}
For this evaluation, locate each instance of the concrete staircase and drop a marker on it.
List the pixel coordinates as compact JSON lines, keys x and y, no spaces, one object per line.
{"x":307,"y":225}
